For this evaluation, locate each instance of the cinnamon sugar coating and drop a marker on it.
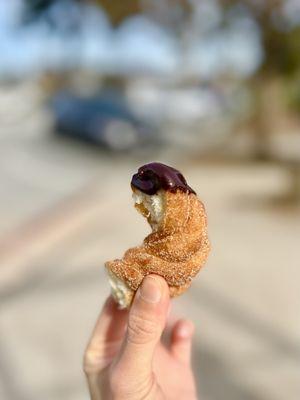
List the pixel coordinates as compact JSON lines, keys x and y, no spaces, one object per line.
{"x":177,"y":250}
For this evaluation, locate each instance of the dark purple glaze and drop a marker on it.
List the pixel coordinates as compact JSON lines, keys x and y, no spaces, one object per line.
{"x":154,"y":176}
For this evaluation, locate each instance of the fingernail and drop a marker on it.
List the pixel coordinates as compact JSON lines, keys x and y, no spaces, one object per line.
{"x":186,"y":330}
{"x":150,"y":290}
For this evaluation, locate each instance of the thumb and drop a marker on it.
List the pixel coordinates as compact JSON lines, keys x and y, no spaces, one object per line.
{"x":146,"y":322}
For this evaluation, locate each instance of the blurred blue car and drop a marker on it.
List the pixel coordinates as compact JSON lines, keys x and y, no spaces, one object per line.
{"x":105,"y":120}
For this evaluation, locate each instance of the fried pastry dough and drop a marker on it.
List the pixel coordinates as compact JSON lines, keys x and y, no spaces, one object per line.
{"x":178,"y":246}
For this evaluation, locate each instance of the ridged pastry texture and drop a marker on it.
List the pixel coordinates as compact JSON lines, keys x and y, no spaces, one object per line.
{"x":176,"y":249}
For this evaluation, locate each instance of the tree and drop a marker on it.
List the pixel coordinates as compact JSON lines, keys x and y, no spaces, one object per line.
{"x":281,"y":64}
{"x":120,"y":10}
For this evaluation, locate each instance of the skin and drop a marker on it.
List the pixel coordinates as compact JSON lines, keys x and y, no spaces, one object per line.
{"x":126,"y":358}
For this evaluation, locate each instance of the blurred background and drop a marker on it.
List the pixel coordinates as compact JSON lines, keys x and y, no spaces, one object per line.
{"x":91,"y":90}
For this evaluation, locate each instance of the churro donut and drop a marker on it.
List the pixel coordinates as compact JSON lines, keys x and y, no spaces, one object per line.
{"x":177,"y":247}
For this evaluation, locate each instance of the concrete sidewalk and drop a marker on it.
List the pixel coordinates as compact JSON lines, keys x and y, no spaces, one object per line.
{"x":66,"y":208}
{"x":245,"y":303}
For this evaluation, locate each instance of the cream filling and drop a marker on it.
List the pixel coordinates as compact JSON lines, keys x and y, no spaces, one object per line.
{"x":154,"y":207}
{"x":119,"y":290}
{"x":154,"y":204}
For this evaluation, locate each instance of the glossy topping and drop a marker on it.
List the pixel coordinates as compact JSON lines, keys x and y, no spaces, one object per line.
{"x":154,"y":176}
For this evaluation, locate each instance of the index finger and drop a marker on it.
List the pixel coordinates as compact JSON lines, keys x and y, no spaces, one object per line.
{"x":106,"y":338}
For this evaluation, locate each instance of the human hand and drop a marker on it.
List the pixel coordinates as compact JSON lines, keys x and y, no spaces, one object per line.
{"x":125,"y":358}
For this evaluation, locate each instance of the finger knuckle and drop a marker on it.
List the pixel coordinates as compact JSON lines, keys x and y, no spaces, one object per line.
{"x":141,"y":329}
{"x":92,"y":361}
{"x":89,"y":361}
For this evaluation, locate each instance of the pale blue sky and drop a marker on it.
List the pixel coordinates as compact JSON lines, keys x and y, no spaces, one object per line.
{"x":137,"y":45}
